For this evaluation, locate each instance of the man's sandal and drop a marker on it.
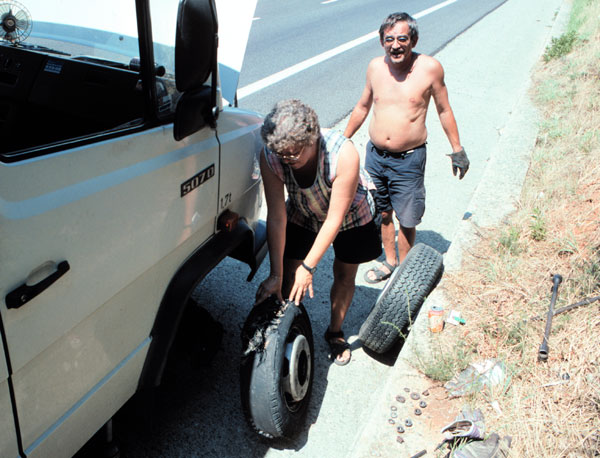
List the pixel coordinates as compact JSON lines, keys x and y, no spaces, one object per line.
{"x":380,"y":275}
{"x":337,"y":347}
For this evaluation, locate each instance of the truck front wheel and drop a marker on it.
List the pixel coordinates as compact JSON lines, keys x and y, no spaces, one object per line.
{"x":277,"y":368}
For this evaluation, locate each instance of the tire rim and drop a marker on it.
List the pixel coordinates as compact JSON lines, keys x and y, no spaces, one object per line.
{"x":296,"y":382}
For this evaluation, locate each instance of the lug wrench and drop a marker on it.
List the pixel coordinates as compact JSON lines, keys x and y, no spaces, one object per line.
{"x":543,"y":351}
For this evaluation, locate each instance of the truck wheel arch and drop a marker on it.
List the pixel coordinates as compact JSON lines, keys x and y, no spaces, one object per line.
{"x":238,"y":243}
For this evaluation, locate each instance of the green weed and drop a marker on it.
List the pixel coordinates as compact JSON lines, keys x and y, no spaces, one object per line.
{"x":538,"y":226}
{"x":560,"y":46}
{"x":445,"y":362}
{"x":509,"y":241}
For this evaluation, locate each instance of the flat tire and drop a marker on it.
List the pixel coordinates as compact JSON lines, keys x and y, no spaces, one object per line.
{"x":277,"y":368}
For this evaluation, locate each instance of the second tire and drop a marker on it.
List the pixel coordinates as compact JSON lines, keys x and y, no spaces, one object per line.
{"x":399,"y":302}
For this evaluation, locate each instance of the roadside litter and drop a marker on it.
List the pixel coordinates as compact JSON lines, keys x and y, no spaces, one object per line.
{"x":469,"y":423}
{"x":492,"y":447}
{"x":455,"y":318}
{"x":465,"y":436}
{"x":477,"y":376}
{"x":436,"y":318}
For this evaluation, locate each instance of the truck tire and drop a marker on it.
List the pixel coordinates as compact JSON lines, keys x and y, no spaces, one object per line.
{"x":276,"y":372}
{"x":400,"y":300}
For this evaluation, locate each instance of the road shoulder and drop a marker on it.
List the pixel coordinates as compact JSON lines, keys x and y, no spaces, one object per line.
{"x":495,"y":196}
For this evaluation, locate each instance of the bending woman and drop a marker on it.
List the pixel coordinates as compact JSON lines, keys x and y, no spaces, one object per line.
{"x":327,"y":202}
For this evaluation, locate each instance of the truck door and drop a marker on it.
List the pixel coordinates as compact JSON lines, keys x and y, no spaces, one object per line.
{"x":97,"y":212}
{"x":8,"y":434}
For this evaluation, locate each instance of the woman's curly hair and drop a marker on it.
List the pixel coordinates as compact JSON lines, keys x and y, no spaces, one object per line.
{"x":290,"y":124}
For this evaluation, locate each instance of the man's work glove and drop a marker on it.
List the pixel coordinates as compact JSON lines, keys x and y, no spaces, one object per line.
{"x":459,"y":161}
{"x":469,"y":423}
{"x":492,"y":447}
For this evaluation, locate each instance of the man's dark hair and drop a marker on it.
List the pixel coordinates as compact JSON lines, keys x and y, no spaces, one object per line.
{"x":393,"y":19}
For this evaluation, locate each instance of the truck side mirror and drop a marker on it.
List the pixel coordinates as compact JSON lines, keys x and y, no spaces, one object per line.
{"x":196,"y":42}
{"x":193,"y":112}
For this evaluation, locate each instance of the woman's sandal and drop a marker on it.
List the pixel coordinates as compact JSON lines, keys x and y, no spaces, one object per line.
{"x":380,"y":275}
{"x":336,"y":347}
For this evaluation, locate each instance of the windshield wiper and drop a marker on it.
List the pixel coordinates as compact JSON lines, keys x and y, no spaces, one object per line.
{"x":41,"y":49}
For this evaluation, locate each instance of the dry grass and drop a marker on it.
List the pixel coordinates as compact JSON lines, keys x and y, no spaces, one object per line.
{"x":550,"y":409}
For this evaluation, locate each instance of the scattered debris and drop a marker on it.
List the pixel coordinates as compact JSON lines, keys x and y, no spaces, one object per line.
{"x":476,"y":376}
{"x":496,"y":406}
{"x":469,"y":423}
{"x":420,"y":454}
{"x":465,"y":436}
{"x":436,"y":318}
{"x":455,"y":318}
{"x":492,"y":447}
{"x":557,"y":382}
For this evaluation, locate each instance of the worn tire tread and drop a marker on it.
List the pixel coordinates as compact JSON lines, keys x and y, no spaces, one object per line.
{"x":262,"y":401}
{"x":402,"y":297}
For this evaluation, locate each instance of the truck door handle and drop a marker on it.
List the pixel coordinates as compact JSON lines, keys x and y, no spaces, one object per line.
{"x":24,"y":293}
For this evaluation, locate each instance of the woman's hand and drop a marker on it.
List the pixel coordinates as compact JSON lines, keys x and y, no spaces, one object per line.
{"x":302,"y":284}
{"x":270,"y":286}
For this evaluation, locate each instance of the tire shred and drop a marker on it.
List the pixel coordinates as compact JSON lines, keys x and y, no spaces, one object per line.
{"x":260,"y":325}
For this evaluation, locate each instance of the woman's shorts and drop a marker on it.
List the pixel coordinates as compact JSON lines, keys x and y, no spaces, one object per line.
{"x":352,"y":246}
{"x":400,"y":182}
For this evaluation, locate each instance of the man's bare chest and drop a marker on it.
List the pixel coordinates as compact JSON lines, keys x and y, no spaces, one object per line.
{"x":410,"y":92}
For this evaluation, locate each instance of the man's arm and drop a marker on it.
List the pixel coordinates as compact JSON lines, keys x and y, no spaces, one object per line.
{"x":442,"y":104}
{"x":361,"y":110}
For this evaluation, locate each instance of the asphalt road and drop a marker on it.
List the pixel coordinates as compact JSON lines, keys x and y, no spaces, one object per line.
{"x":197,"y":411}
{"x":287,"y":34}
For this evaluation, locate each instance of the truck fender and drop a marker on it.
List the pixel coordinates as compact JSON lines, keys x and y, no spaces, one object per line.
{"x":242,"y":243}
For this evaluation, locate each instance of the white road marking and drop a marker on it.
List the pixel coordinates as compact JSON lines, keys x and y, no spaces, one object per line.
{"x":301,"y":66}
{"x":433,"y":8}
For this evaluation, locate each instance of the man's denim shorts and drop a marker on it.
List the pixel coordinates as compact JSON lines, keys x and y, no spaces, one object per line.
{"x":400,"y":182}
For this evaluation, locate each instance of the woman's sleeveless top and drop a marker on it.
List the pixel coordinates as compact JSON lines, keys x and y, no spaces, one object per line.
{"x":307,"y":207}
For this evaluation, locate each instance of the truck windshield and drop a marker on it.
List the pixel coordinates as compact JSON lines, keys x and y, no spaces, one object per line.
{"x":164,"y":22}
{"x":105,"y":30}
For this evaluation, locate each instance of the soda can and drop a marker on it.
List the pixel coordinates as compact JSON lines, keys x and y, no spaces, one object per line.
{"x":436,"y":318}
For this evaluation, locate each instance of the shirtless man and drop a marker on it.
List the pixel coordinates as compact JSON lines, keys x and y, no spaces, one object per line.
{"x":399,"y":86}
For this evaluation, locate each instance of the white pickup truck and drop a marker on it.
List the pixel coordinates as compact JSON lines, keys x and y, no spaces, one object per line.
{"x":124,"y":179}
